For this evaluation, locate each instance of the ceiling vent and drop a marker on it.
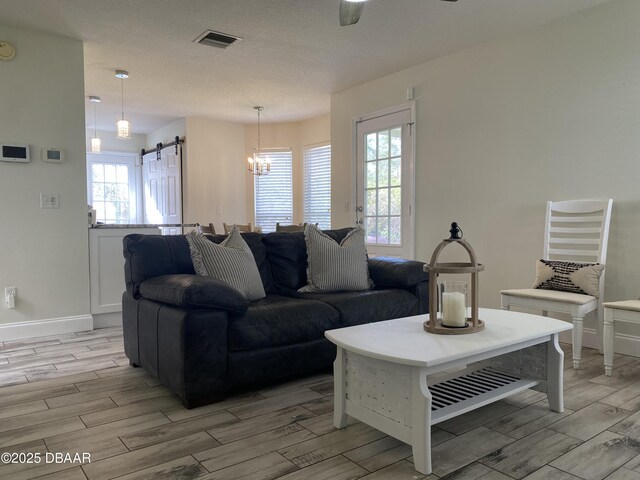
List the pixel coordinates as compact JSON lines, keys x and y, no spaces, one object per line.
{"x":216,"y":39}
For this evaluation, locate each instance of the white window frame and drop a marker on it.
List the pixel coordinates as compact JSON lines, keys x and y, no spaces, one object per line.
{"x":311,"y":214}
{"x":282,"y":200}
{"x":131,"y":160}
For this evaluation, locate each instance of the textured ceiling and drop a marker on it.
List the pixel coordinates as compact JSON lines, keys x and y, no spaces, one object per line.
{"x":292,"y":56}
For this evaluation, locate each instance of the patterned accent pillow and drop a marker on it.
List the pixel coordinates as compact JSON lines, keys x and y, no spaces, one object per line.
{"x":333,"y":267}
{"x":572,"y":277}
{"x":230,"y":261}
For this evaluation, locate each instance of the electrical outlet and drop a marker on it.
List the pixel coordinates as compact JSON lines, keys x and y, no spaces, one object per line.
{"x":10,"y":296}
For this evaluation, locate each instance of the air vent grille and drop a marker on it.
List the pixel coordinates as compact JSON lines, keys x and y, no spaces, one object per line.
{"x":216,"y":39}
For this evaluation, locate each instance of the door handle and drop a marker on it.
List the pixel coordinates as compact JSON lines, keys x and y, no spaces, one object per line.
{"x":359,"y":208}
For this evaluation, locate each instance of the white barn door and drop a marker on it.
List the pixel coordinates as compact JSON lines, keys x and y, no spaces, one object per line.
{"x":163,"y":189}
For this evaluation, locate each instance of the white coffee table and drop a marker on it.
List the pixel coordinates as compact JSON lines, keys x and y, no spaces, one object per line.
{"x":400,"y":379}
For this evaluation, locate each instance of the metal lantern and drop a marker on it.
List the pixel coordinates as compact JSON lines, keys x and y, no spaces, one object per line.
{"x":438,"y":323}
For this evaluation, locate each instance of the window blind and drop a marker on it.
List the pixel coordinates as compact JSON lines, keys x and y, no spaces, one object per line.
{"x":317,"y":186}
{"x":274,"y":192}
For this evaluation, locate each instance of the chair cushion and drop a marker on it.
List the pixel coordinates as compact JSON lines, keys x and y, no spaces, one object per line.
{"x":631,"y":305}
{"x":231,"y":261}
{"x":333,"y":266}
{"x":276,"y":320}
{"x":573,"y":277}
{"x":368,"y":306}
{"x":552,"y":295}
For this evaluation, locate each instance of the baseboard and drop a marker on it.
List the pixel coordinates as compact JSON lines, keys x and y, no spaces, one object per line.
{"x":623,"y":344}
{"x":43,"y":328}
{"x":104,"y":320}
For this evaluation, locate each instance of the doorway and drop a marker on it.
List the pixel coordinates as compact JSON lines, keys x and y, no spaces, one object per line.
{"x":385,"y":182}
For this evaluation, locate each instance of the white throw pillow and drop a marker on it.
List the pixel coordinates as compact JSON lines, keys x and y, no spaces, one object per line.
{"x":333,"y":267}
{"x":583,"y":278}
{"x":230,"y":261}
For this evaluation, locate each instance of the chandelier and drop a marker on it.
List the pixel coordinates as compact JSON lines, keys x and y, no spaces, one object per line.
{"x":258,"y":165}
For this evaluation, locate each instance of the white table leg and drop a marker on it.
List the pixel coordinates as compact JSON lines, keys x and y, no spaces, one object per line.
{"x":555,"y":358}
{"x":339,"y":415}
{"x":609,"y":333}
{"x":577,"y":341}
{"x":420,"y":421}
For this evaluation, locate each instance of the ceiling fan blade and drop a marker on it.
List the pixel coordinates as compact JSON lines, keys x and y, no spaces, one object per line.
{"x":350,"y":12}
{"x":449,"y":0}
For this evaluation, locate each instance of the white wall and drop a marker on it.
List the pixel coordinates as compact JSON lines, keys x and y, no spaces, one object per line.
{"x":505,"y":126}
{"x":44,"y":253}
{"x":167,"y":133}
{"x":214,"y":185}
{"x":294,"y":135}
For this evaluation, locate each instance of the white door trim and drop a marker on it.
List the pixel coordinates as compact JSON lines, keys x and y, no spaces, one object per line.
{"x":411,"y":106}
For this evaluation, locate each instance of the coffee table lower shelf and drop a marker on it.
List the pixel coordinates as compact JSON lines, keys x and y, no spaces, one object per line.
{"x":462,"y":394}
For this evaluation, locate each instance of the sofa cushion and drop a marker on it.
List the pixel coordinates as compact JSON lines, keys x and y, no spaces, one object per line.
{"x":230,"y":261}
{"x":277,"y":320}
{"x":148,"y":256}
{"x":288,"y":258}
{"x":356,"y":308}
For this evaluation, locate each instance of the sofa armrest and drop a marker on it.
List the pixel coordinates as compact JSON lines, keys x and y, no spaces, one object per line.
{"x":185,"y":290}
{"x":394,"y":272}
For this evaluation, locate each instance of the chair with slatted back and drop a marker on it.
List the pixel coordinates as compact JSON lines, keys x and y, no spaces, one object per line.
{"x":290,"y":228}
{"x":243,"y":228}
{"x":575,"y":231}
{"x":210,"y":230}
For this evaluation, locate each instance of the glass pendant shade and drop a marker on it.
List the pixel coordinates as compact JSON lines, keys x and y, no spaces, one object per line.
{"x":123,"y":129}
{"x":96,"y":144}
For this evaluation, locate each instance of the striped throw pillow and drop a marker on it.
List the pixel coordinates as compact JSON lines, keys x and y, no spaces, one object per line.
{"x":333,"y":267}
{"x":572,"y":277}
{"x":230,"y":261}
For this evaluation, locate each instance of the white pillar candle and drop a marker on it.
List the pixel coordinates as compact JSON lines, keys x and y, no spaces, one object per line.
{"x":454,"y":309}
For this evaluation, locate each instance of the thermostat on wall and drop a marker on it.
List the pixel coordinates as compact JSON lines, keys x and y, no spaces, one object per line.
{"x":53,"y":155}
{"x":15,"y":153}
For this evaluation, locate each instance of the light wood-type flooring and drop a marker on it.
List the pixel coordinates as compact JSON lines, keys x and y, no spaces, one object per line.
{"x":77,"y":394}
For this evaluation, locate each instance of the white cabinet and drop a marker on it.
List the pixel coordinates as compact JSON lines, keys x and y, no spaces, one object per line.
{"x":106,"y":272}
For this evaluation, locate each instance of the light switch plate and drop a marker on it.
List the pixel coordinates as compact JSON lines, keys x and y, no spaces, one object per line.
{"x":49,"y":200}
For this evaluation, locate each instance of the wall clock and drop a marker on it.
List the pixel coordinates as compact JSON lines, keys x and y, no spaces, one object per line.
{"x":7,"y":51}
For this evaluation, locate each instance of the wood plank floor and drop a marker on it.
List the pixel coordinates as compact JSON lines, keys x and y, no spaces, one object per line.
{"x":76,"y":393}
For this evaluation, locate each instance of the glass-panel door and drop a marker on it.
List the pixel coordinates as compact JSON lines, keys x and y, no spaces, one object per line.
{"x":385,"y":184}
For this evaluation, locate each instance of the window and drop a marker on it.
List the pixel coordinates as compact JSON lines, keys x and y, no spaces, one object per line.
{"x":317,"y":185}
{"x":111,"y":187}
{"x":274,"y":192}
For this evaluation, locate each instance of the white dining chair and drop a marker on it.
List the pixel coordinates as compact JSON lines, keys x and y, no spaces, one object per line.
{"x":575,"y":231}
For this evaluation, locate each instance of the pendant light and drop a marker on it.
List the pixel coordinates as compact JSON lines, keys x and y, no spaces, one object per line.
{"x":257,"y":165}
{"x":96,"y":144}
{"x":123,"y":127}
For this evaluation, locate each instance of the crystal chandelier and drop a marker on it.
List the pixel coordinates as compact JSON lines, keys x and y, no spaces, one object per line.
{"x":96,"y":144}
{"x":257,"y":164}
{"x":123,"y":127}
